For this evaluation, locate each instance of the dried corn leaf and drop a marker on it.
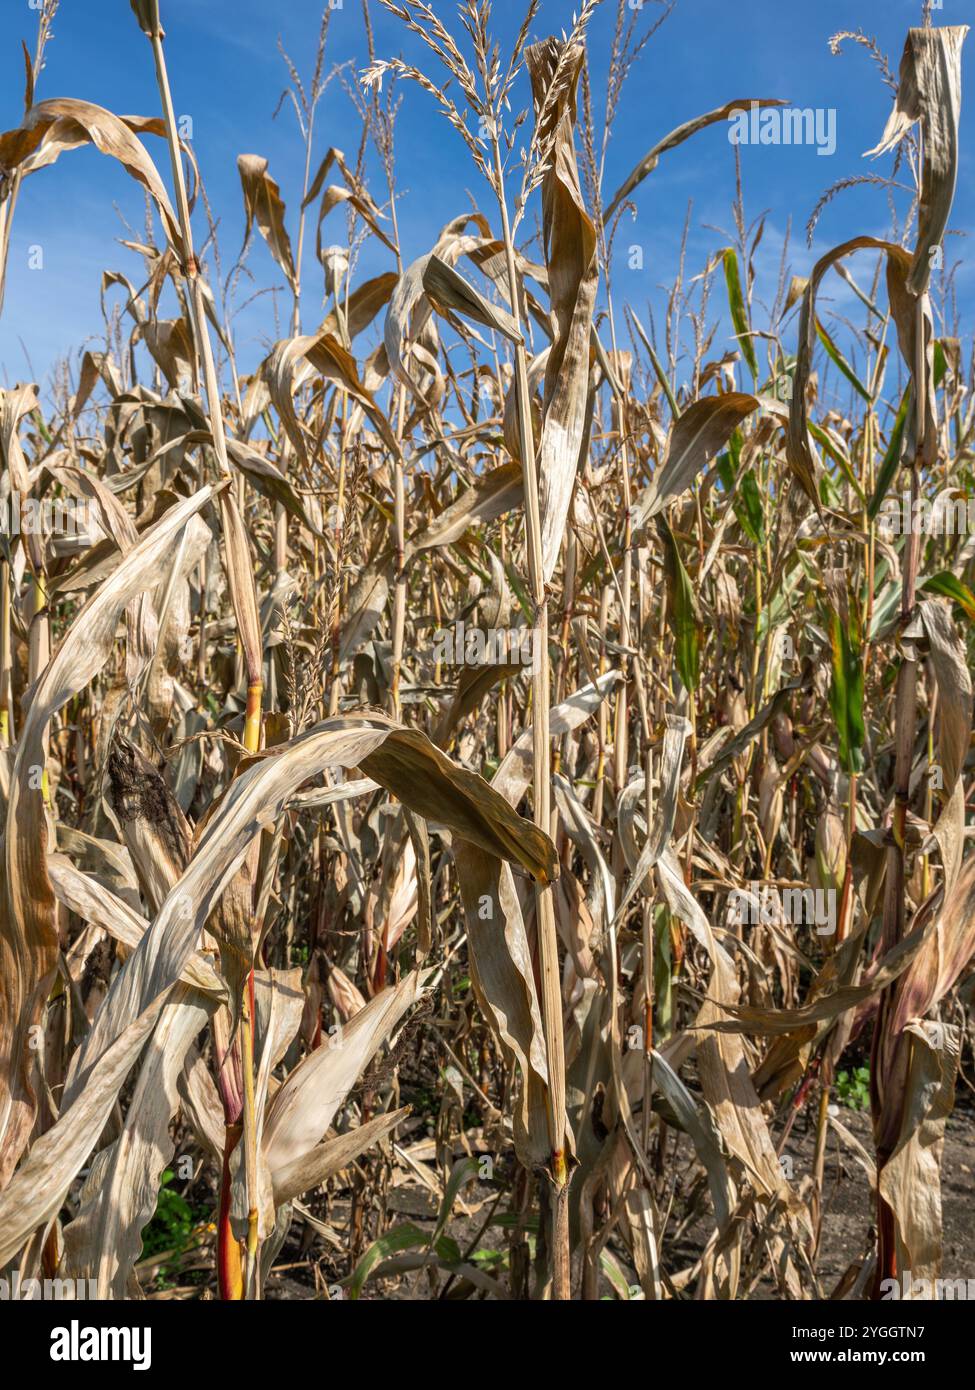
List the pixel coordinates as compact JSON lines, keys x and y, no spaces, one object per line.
{"x":570,"y":254}
{"x":65,"y":123}
{"x":307,"y":1103}
{"x":677,"y":137}
{"x":263,"y":205}
{"x":28,"y":933}
{"x":910,"y":1180}
{"x":698,"y":433}
{"x":929,"y":91}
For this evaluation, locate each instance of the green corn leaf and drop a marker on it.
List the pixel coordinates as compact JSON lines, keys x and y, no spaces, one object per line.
{"x":739,"y":314}
{"x":846,"y":693}
{"x":682,"y":611}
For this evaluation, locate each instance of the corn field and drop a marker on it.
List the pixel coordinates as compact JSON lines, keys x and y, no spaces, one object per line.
{"x":485,"y":787}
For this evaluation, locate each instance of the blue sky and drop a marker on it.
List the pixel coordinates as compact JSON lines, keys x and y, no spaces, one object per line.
{"x":228,"y":76}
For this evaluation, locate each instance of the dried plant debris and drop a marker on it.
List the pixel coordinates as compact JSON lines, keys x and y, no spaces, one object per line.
{"x":485,"y":786}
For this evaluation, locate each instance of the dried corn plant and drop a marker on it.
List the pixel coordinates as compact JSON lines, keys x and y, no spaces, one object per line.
{"x":513,"y":767}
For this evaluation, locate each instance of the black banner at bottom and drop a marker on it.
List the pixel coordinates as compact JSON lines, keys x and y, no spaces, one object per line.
{"x":171,"y":1338}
